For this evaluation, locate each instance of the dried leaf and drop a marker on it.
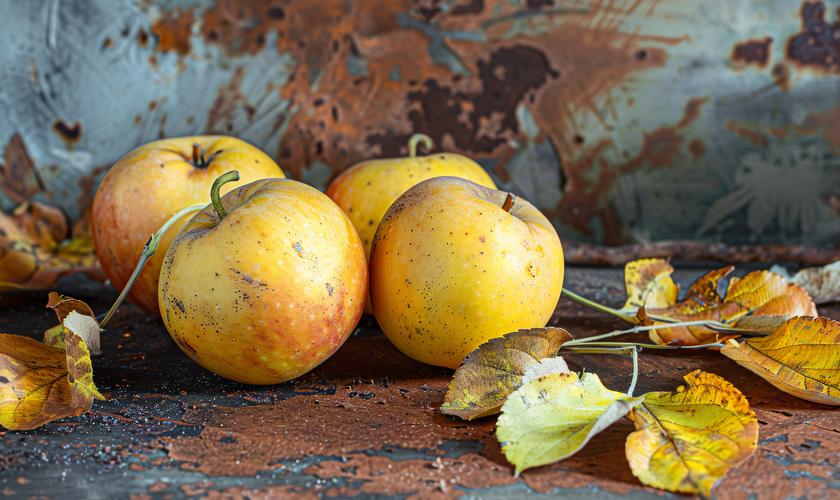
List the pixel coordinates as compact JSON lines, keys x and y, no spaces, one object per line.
{"x":685,"y":441}
{"x":40,"y":383}
{"x":490,"y":373}
{"x":63,"y":306}
{"x":554,"y":416}
{"x":35,"y":251}
{"x":802,"y":358}
{"x":86,"y":328}
{"x":649,"y":283}
{"x":759,"y":293}
{"x":545,"y":367}
{"x":822,"y":283}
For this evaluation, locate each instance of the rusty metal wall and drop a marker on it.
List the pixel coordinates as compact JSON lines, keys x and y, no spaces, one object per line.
{"x":625,"y":121}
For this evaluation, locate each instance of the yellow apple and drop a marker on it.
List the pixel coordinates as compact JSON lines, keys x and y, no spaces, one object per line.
{"x":366,"y":190}
{"x":454,"y":264}
{"x":148,"y":186}
{"x":267,"y":286}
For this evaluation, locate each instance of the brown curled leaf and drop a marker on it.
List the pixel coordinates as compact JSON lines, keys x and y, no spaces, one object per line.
{"x":495,"y":369}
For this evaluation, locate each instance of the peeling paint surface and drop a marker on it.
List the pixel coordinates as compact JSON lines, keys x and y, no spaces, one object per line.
{"x":625,"y":121}
{"x":366,"y":423}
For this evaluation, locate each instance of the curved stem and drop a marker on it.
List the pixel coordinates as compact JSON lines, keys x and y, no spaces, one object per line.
{"x":635,"y":354}
{"x":594,"y":305}
{"x":148,"y":250}
{"x":618,"y":345}
{"x":417,"y":138}
{"x":637,"y":329}
{"x":223,"y":179}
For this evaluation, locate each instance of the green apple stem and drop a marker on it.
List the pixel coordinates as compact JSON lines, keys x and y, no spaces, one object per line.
{"x":418,"y":138}
{"x":637,"y":329}
{"x":596,"y":306}
{"x":148,"y":250}
{"x":223,"y":179}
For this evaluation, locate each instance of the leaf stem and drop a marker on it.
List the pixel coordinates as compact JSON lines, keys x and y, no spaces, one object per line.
{"x":595,"y":305}
{"x":223,"y":179}
{"x":644,"y":346}
{"x":148,"y":250}
{"x":635,"y":354}
{"x":637,"y":329}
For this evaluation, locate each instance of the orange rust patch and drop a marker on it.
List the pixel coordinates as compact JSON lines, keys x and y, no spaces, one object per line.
{"x":173,"y":31}
{"x":743,"y":130}
{"x":659,"y":149}
{"x":825,"y":123}
{"x":697,"y":148}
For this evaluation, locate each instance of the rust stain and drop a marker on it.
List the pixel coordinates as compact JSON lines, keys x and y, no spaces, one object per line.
{"x":817,"y":46}
{"x":781,"y":76}
{"x":748,"y":132}
{"x":826,"y":123}
{"x":697,"y":148}
{"x":173,"y":30}
{"x":19,"y":178}
{"x":70,"y":133}
{"x":241,"y":27}
{"x":591,"y":177}
{"x":752,"y":52}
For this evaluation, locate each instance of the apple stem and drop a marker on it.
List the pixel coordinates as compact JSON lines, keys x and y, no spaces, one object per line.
{"x":508,"y":204}
{"x":418,"y":138}
{"x":148,"y":250}
{"x":233,"y":175}
{"x":198,"y":156}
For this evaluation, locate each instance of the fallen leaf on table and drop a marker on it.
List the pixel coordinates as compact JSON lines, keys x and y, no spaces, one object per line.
{"x":648,"y":283}
{"x":490,"y":373}
{"x":554,"y":416}
{"x":545,"y":367}
{"x":35,"y":250}
{"x":41,"y":383}
{"x":759,"y":293}
{"x":63,"y":306}
{"x":802,"y":358}
{"x":822,"y":283}
{"x":75,"y":315}
{"x":685,"y":441}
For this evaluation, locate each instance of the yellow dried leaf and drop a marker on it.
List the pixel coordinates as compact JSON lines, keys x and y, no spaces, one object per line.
{"x":40,"y":383}
{"x":685,"y":441}
{"x":554,"y":416}
{"x":802,"y":358}
{"x":495,"y":369}
{"x":649,"y":283}
{"x":759,"y":293}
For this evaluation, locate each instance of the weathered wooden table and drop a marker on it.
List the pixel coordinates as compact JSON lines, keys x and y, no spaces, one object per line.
{"x":365,"y":423}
